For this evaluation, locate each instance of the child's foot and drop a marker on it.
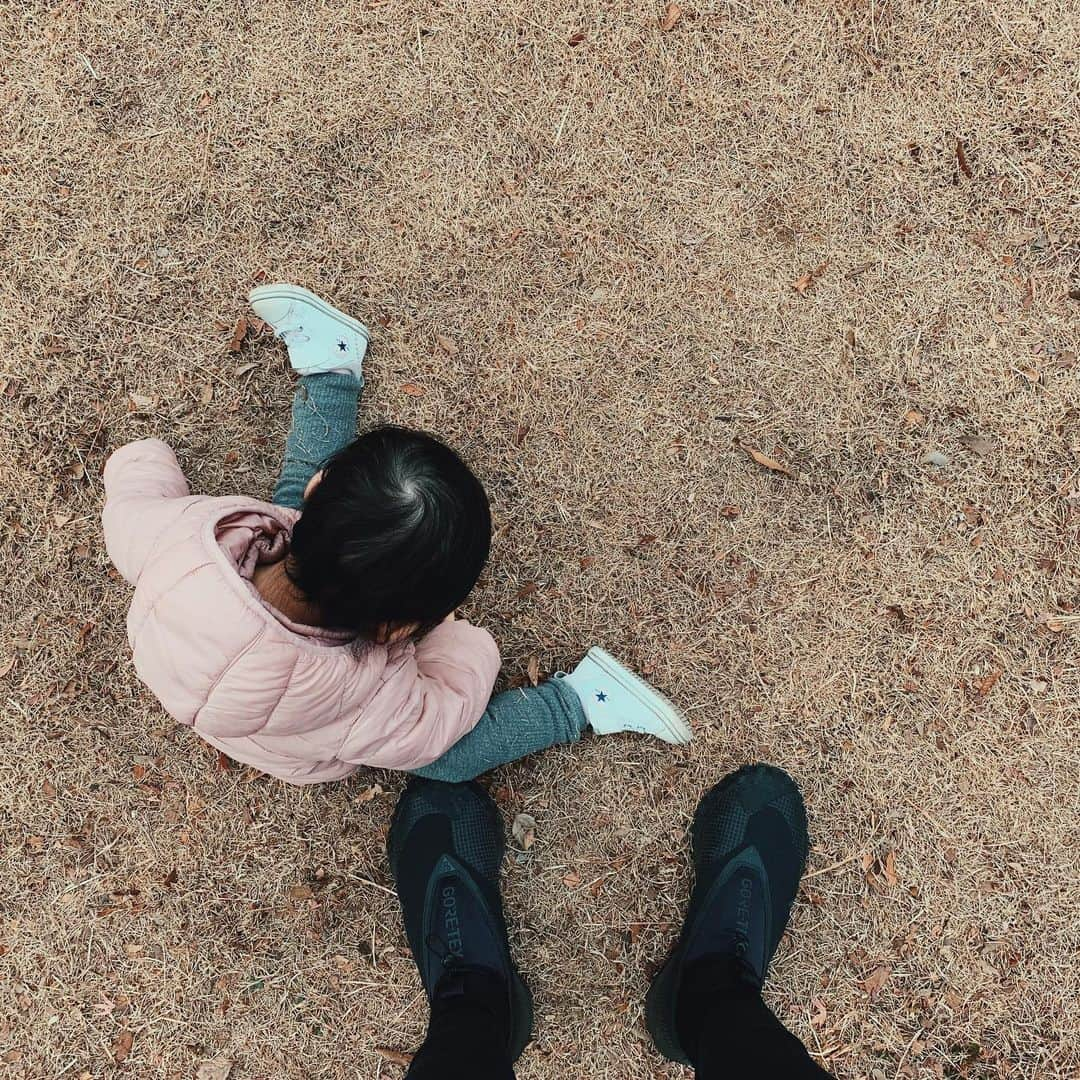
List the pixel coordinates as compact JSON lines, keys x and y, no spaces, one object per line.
{"x":749,"y":842}
{"x":319,"y":337}
{"x":615,"y":699}
{"x":445,"y":848}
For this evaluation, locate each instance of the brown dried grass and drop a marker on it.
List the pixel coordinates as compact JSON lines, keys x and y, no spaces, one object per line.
{"x":610,"y":232}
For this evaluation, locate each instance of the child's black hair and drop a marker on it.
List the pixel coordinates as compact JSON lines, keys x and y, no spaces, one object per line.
{"x":397,"y":532}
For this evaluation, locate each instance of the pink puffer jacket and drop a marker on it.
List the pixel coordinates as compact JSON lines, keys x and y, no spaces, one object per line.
{"x":294,"y":701}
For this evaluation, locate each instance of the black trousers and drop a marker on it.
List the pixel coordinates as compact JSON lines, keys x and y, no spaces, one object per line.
{"x":740,"y":1039}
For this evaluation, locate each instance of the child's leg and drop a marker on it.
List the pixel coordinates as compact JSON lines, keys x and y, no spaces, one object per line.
{"x":515,"y":724}
{"x":323,"y":421}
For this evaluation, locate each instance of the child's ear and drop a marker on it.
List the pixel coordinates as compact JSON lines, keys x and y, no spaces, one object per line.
{"x":312,"y":484}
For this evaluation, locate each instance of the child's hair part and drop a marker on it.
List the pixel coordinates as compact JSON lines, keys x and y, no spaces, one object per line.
{"x":397,"y":532}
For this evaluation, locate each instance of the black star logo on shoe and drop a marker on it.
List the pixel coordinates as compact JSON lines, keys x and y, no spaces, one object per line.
{"x":601,"y":696}
{"x":342,"y":347}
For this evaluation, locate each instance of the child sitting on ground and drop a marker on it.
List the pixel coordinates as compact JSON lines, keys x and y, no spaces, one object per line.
{"x":316,"y":633}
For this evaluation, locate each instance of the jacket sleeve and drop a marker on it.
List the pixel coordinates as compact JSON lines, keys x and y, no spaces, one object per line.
{"x":145,"y":493}
{"x":450,"y":678}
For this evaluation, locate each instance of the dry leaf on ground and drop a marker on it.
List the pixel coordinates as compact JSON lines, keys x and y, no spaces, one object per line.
{"x":890,"y":868}
{"x":961,"y":159}
{"x":448,"y":345}
{"x":300,"y":892}
{"x":412,"y":389}
{"x":239,"y":333}
{"x":395,"y":1057}
{"x":121,"y":1046}
{"x":217,"y":1069}
{"x":801,"y":284}
{"x":765,"y":460}
{"x":978,"y":444}
{"x":670,"y":17}
{"x":533,"y":669}
{"x":876,"y":979}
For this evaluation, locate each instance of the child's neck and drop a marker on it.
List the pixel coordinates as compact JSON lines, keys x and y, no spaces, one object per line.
{"x":280,"y":593}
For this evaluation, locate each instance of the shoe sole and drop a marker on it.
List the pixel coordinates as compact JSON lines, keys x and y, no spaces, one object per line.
{"x":521,"y":1009}
{"x":678,"y":730}
{"x":299,"y":293}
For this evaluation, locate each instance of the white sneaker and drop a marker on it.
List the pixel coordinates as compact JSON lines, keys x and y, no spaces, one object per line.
{"x":615,"y":699}
{"x":319,"y":337}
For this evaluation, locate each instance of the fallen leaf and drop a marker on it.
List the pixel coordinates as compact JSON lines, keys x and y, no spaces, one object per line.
{"x":206,"y":394}
{"x":395,"y":1057}
{"x":412,"y":389}
{"x":890,"y":868}
{"x":801,"y":284}
{"x":533,"y":669}
{"x":987,"y":683}
{"x":140,"y":403}
{"x":48,"y":789}
{"x":765,"y":460}
{"x":820,"y":1014}
{"x":520,"y":433}
{"x":876,"y":979}
{"x":526,"y":590}
{"x":670,"y":17}
{"x":524,"y":830}
{"x":218,"y":1069}
{"x":575,"y":40}
{"x":730,"y":511}
{"x":370,"y":793}
{"x":121,"y":1046}
{"x":204,"y":103}
{"x":961,"y":159}
{"x":978,"y":444}
{"x":572,"y":880}
{"x":300,"y":892}
{"x":913,"y":418}
{"x":448,"y":345}
{"x":239,"y":333}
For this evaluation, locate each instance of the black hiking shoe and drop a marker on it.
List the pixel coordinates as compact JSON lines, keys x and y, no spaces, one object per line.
{"x":749,"y":844}
{"x":445,"y":848}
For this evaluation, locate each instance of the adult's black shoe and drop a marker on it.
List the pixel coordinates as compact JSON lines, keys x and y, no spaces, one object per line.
{"x":445,"y":847}
{"x":749,"y":843}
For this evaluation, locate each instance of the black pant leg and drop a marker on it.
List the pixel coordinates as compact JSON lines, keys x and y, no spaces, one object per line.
{"x":741,"y":1039}
{"x":463,"y":1043}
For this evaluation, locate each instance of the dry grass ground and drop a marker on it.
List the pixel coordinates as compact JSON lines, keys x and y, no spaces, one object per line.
{"x":608,"y":220}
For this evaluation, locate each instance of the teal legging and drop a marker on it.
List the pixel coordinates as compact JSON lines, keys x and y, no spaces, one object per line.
{"x":515,"y":723}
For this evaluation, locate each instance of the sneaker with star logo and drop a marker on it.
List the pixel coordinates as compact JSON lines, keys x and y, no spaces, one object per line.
{"x":616,"y":700}
{"x":319,"y":338}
